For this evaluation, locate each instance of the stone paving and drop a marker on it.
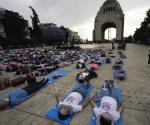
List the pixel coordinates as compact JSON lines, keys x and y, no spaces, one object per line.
{"x":136,"y":94}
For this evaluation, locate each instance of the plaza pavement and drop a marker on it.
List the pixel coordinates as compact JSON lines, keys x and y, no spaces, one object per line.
{"x":136,"y":94}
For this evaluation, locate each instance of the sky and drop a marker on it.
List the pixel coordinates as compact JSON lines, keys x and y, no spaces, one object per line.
{"x":78,"y":15}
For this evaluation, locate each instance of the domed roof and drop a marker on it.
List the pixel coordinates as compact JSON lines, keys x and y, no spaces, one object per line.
{"x":111,"y":3}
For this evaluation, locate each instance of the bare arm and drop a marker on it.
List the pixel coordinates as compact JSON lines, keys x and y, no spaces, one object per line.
{"x":86,"y":103}
{"x":121,"y":108}
{"x":57,"y":98}
{"x":92,"y":103}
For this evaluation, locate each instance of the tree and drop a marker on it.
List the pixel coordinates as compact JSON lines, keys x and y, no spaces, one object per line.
{"x":130,"y":39}
{"x":143,"y":33}
{"x":35,"y":30}
{"x":66,"y":34}
{"x":15,"y":28}
{"x":3,"y":42}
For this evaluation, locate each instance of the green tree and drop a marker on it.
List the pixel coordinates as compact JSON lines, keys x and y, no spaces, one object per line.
{"x":36,"y":32}
{"x":15,"y":27}
{"x":143,"y":33}
{"x":130,"y":39}
{"x":66,"y":35}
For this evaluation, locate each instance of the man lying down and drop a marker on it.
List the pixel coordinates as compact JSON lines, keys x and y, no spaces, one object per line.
{"x":111,"y":107}
{"x":71,"y":104}
{"x":21,"y":95}
{"x":86,"y":76}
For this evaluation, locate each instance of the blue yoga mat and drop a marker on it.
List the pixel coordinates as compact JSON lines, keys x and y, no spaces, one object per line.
{"x":53,"y":112}
{"x":61,"y":74}
{"x":117,"y":93}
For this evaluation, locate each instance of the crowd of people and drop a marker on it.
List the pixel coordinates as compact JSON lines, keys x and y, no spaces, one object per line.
{"x":28,"y":64}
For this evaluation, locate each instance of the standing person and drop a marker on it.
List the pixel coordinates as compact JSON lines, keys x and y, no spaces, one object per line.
{"x":149,"y":57}
{"x":113,"y":46}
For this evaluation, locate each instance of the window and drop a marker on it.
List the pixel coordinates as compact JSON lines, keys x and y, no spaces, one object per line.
{"x":104,"y":11}
{"x":113,"y":8}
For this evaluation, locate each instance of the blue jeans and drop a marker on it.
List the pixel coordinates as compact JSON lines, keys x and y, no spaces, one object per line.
{"x":17,"y":97}
{"x":82,"y":89}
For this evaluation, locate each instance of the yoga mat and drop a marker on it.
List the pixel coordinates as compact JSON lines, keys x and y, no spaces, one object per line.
{"x":61,"y":74}
{"x":53,"y":112}
{"x":117,"y":93}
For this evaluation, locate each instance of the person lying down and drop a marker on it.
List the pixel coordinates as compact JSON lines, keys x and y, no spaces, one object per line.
{"x":71,"y":104}
{"x":111,"y":107}
{"x":86,"y":76}
{"x":21,"y":95}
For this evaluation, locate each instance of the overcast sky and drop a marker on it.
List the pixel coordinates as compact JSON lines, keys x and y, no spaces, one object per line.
{"x":78,"y":15}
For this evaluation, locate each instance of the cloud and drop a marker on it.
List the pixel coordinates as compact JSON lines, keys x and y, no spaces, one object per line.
{"x":85,"y":29}
{"x":76,"y":14}
{"x":66,"y":12}
{"x":134,"y":18}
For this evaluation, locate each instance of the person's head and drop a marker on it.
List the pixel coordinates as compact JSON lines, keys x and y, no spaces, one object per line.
{"x":4,"y":103}
{"x":37,"y":73}
{"x":82,"y":79}
{"x":104,"y":121}
{"x":63,"y":112}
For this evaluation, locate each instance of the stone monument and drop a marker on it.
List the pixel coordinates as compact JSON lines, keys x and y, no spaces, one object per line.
{"x":110,"y":15}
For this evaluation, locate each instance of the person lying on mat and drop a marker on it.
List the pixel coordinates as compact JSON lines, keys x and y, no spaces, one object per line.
{"x":46,"y":71}
{"x":116,"y":66}
{"x":121,"y":75}
{"x":71,"y":104}
{"x":86,"y":75}
{"x":80,"y":64}
{"x":21,"y":95}
{"x":108,"y":113}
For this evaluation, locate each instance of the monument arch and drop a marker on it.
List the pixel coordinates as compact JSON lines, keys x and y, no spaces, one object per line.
{"x":110,"y":15}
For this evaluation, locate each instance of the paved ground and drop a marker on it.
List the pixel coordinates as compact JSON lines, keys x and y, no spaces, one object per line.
{"x":136,"y":94}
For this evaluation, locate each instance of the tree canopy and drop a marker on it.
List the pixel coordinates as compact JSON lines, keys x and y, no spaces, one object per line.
{"x":35,"y":31}
{"x":143,"y":33}
{"x":15,"y":27}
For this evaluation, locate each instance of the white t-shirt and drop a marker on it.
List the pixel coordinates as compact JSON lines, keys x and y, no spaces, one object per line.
{"x":81,"y":61}
{"x":73,"y":100}
{"x":108,"y":108}
{"x":84,"y":74}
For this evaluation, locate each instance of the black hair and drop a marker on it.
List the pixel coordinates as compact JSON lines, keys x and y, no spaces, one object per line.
{"x":104,"y":121}
{"x":62,"y":116}
{"x":81,"y":80}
